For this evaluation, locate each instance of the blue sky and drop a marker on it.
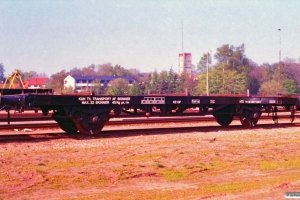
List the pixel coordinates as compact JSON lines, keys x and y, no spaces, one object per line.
{"x":50,"y":36}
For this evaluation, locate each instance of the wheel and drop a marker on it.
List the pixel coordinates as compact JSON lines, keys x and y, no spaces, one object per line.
{"x":224,"y":119}
{"x":275,"y":119}
{"x":249,"y":119}
{"x":292,"y":118}
{"x":224,"y":116}
{"x":246,"y":122}
{"x":67,"y":125}
{"x":89,"y":124}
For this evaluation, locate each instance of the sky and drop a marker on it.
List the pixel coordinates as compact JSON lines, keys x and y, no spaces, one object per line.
{"x":48,"y":36}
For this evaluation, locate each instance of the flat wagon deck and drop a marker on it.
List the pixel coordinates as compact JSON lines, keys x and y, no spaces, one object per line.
{"x":88,"y":113}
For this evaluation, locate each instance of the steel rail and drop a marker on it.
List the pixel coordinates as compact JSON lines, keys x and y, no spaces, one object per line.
{"x":131,"y":132}
{"x":117,"y":121}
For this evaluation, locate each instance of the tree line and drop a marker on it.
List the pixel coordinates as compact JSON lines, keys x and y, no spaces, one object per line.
{"x":232,"y":73}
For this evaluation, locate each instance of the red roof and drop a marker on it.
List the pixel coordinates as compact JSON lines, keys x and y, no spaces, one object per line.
{"x":37,"y":81}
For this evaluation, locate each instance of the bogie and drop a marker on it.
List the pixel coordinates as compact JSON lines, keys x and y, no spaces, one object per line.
{"x":89,"y":124}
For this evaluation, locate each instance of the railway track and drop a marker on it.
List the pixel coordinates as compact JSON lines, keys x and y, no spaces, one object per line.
{"x":134,"y":132}
{"x":113,"y":122}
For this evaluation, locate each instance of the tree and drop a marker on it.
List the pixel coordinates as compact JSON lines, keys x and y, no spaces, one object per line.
{"x":229,"y":75}
{"x":87,"y":71}
{"x":155,"y":85}
{"x":135,"y":89}
{"x":119,"y":71}
{"x":172,"y":81}
{"x":75,"y":71}
{"x":202,"y":64}
{"x":289,"y":87}
{"x":30,"y":74}
{"x":104,"y":69}
{"x":270,"y":88}
{"x":190,"y":84}
{"x":223,"y":53}
{"x":181,"y":83}
{"x":96,"y":88}
{"x":2,"y":77}
{"x":57,"y":81}
{"x":254,"y":85}
{"x":118,"y":86}
{"x":68,"y":90}
{"x":292,"y":71}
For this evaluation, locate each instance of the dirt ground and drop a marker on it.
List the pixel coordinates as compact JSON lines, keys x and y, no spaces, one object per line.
{"x":258,"y":163}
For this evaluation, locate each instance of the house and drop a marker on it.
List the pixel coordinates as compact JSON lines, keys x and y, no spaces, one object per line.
{"x":82,"y":83}
{"x":36,"y":83}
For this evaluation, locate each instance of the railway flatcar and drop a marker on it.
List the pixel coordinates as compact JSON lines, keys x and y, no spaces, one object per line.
{"x":88,"y":113}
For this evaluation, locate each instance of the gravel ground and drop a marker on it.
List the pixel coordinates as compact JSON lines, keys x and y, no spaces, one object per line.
{"x":259,"y":163}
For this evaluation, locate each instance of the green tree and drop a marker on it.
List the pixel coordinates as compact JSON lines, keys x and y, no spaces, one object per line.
{"x":155,"y":85}
{"x":202,"y":64}
{"x":118,"y":86}
{"x":289,"y":87}
{"x":223,"y":54}
{"x":231,"y":73}
{"x":181,"y":83}
{"x":292,"y":71}
{"x":270,"y":88}
{"x":135,"y":89}
{"x":171,"y":81}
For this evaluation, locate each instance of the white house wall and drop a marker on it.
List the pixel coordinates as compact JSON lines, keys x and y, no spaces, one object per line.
{"x":69,"y":81}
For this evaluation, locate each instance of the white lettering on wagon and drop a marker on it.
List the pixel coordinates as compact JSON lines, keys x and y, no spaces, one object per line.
{"x":272,"y":101}
{"x":195,"y":101}
{"x":176,"y":101}
{"x":104,"y":100}
{"x":120,"y":100}
{"x":153,"y":100}
{"x":101,"y":98}
{"x":94,"y":100}
{"x":123,"y":98}
{"x":252,"y":101}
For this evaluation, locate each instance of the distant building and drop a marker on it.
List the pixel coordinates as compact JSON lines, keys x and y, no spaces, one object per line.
{"x":83,"y":83}
{"x":184,"y":63}
{"x":36,"y":83}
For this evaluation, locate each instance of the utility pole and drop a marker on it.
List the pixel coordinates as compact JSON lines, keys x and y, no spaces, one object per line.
{"x":279,"y":45}
{"x":207,"y":92}
{"x":279,"y":64}
{"x":182,"y":37}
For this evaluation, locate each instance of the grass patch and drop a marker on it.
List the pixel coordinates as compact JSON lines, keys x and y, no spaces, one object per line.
{"x":159,"y":164}
{"x":172,"y":175}
{"x":40,"y":171}
{"x":41,"y":164}
{"x":288,"y":163}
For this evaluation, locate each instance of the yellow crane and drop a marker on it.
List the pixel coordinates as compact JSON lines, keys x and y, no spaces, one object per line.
{"x":12,"y":77}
